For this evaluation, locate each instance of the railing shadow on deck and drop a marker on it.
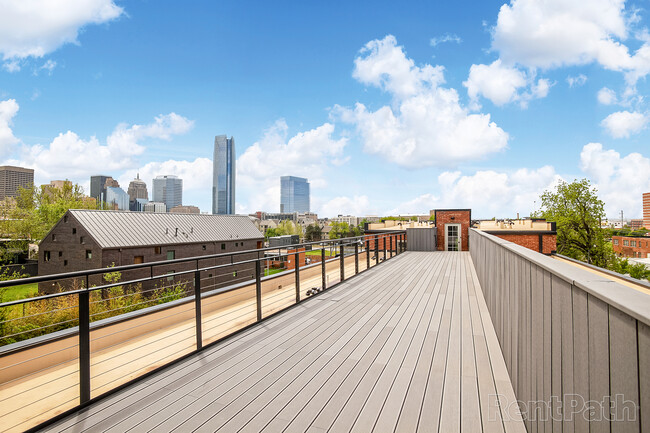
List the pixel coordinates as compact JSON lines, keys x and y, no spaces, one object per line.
{"x":576,"y":345}
{"x":44,"y":378}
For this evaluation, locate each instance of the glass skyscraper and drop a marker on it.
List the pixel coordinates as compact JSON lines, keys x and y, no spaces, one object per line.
{"x":223,"y":175}
{"x":169,"y":190}
{"x":294,"y":194}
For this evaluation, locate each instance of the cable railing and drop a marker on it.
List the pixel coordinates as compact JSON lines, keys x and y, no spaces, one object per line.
{"x":111,"y":326}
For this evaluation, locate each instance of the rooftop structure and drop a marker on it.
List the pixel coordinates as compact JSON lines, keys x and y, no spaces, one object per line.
{"x":224,"y":172}
{"x":12,"y":178}
{"x":168,"y":189}
{"x":294,"y":194}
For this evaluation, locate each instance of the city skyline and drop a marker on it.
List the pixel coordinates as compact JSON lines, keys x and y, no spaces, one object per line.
{"x":419,"y":107}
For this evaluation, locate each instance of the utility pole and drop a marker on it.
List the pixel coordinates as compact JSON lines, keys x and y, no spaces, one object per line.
{"x":622,"y":220}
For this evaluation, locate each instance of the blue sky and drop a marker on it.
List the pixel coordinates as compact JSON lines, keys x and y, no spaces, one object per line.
{"x":385,"y":107}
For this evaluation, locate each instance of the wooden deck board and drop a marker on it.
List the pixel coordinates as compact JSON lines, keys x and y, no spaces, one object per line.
{"x":407,"y":346}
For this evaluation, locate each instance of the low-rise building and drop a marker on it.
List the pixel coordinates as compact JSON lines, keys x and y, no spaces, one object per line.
{"x":185,"y":209}
{"x":90,"y":239}
{"x":533,"y":233}
{"x":631,"y":246}
{"x":636,"y":224}
{"x":155,"y":207}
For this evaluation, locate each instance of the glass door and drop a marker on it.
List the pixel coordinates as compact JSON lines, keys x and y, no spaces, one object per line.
{"x":452,"y":237}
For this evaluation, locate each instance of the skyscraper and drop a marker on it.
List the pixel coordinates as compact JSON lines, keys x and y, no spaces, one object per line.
{"x":168,"y":189}
{"x":137,"y":191}
{"x":12,"y":178}
{"x":646,"y":210}
{"x":223,"y":175}
{"x":116,"y":198}
{"x":294,"y":194}
{"x":98,"y":184}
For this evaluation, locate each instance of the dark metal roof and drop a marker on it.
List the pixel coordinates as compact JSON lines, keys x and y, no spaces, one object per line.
{"x":117,"y":229}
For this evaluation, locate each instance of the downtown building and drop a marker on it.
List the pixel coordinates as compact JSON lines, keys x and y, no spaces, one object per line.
{"x":138,"y":194}
{"x":168,"y":189}
{"x":294,"y":194}
{"x":12,"y":178}
{"x":646,"y":210}
{"x":223,"y":176}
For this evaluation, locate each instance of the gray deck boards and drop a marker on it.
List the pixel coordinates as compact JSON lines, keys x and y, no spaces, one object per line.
{"x":406,"y":346}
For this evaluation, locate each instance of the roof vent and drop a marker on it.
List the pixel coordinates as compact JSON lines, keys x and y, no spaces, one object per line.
{"x":176,"y":234}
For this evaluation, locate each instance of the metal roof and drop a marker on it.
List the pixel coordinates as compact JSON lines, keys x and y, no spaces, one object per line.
{"x":117,"y":229}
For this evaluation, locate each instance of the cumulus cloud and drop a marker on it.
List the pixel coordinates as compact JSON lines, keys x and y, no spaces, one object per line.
{"x":607,"y":96}
{"x":577,"y":81}
{"x":306,"y":154}
{"x":357,"y":205}
{"x":78,"y":157}
{"x":426,"y":125}
{"x":488,"y":192}
{"x":447,"y":37}
{"x":8,"y":110}
{"x":559,"y":33}
{"x":622,"y":124}
{"x":620,"y":180}
{"x":503,"y":84}
{"x":196,"y":175}
{"x":38,"y":27}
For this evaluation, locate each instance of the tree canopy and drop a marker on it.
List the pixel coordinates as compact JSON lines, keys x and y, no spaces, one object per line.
{"x":577,"y":211}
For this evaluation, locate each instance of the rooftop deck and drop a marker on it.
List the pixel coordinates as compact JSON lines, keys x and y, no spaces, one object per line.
{"x":406,"y":346}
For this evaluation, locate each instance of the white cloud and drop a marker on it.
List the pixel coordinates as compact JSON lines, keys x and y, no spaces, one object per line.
{"x":48,"y":66}
{"x":307,"y":154}
{"x":8,"y":110}
{"x":577,"y":81}
{"x":426,"y":125}
{"x":35,"y":28}
{"x":489,"y":193}
{"x":620,"y":181}
{"x":76,"y":158}
{"x":622,"y":124}
{"x":357,"y":205}
{"x":559,"y":33}
{"x":607,"y":96}
{"x":447,"y":37}
{"x":502,"y":84}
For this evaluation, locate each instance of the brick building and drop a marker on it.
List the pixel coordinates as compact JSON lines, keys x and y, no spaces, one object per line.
{"x":535,"y":234}
{"x":636,"y":224}
{"x":453,"y":229}
{"x":646,"y":210}
{"x":90,"y":239}
{"x":631,"y":246}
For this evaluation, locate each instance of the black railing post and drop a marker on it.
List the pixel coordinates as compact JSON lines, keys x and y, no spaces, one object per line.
{"x":391,"y":246}
{"x":258,"y":289}
{"x":356,"y":257}
{"x":367,"y":253}
{"x":84,"y":345}
{"x":322,"y":265}
{"x":342,"y":261}
{"x":197,"y":307}
{"x":376,"y":250}
{"x":297,"y":262}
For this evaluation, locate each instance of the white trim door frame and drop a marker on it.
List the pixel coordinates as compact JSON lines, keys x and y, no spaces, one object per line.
{"x":452,"y":237}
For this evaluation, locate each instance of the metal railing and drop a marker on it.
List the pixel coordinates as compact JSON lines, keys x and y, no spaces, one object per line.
{"x":109,"y":349}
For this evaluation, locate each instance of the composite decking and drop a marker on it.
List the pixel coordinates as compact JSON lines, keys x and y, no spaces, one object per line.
{"x":405,"y":346}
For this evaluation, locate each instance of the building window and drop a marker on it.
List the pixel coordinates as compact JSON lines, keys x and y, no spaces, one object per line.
{"x":157,"y":250}
{"x":138,"y":259}
{"x":60,"y":253}
{"x":626,"y":243}
{"x":53,"y":237}
{"x":74,"y":230}
{"x":65,"y":263}
{"x":223,"y":246}
{"x":203,"y":247}
{"x":633,"y":243}
{"x":171,"y":255}
{"x":89,"y":254}
{"x":615,"y":241}
{"x":46,"y":256}
{"x":170,"y":279}
{"x":65,"y":218}
{"x":82,"y":240}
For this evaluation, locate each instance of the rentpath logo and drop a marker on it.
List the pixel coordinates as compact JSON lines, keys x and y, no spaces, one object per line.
{"x":572,"y":406}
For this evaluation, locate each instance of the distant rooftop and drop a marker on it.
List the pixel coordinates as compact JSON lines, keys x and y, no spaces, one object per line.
{"x":514,"y":225}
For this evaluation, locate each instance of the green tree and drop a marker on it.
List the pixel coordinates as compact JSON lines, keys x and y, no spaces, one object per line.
{"x":339,"y":230}
{"x":313,"y":232}
{"x":287,"y":227}
{"x":577,"y":211}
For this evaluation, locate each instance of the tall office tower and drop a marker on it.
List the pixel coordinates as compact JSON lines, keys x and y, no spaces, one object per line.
{"x":117,"y":198}
{"x":294,"y":194}
{"x":223,"y":175}
{"x":168,"y":189}
{"x":12,"y":178}
{"x":137,"y":189}
{"x":98,"y":184}
{"x":646,"y":210}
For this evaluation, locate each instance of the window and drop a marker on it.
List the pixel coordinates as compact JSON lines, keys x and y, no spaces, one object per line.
{"x":53,"y":237}
{"x":234,"y":274}
{"x":170,"y":279}
{"x":157,"y":250}
{"x":65,"y":263}
{"x":615,"y":241}
{"x":138,"y":259}
{"x":633,"y":243}
{"x":626,"y":243}
{"x":46,"y":256}
{"x":74,"y":230}
{"x":223,"y":246}
{"x":65,"y":218}
{"x":82,"y":240}
{"x":171,"y":255}
{"x":203,"y":247}
{"x":89,"y":254}
{"x":236,"y":244}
